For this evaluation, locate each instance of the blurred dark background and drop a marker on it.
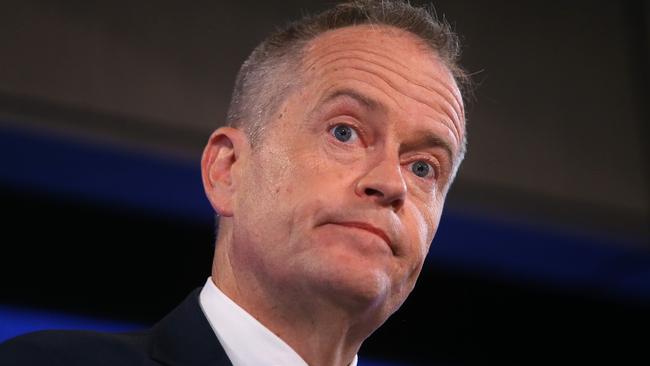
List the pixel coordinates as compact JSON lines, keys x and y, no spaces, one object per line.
{"x":542,"y":255}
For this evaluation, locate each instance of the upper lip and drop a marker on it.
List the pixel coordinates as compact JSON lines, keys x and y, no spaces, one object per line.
{"x":368,"y":227}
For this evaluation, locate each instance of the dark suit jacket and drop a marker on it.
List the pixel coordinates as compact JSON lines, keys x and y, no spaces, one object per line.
{"x":183,"y":338}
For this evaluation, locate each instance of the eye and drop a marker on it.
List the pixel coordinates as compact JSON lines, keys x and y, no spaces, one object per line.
{"x":421,"y":168}
{"x":344,"y":133}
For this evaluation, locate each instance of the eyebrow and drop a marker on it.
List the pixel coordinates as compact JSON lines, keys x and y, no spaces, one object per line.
{"x":365,"y":101}
{"x":427,"y":139}
{"x":423,"y":139}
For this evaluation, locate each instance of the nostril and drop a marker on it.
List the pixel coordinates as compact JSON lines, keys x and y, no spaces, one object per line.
{"x":373,"y":192}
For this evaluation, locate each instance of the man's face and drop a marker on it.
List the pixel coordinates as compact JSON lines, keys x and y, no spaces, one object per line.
{"x":343,"y":196}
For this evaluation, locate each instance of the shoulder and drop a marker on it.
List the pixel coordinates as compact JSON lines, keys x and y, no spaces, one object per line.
{"x":73,"y":348}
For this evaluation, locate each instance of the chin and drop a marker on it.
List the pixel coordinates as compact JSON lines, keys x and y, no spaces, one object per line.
{"x":356,"y":283}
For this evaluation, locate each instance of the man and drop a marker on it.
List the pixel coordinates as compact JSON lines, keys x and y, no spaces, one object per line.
{"x":344,"y":134}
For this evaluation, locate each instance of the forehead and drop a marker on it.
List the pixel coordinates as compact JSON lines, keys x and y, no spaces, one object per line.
{"x":388,"y":63}
{"x":372,"y":35}
{"x":392,"y":43}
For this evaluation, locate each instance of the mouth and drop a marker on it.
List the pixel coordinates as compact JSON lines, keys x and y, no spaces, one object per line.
{"x":372,"y":229}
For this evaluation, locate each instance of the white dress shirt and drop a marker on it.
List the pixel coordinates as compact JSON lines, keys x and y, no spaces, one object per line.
{"x":246,"y":341}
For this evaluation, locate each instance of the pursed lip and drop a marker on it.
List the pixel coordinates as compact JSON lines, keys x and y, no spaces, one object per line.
{"x":368,"y":227}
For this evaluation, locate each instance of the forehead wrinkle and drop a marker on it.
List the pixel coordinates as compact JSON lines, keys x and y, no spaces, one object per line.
{"x":387,"y":55}
{"x":440,"y":141}
{"x":447,"y":110}
{"x":386,"y":31}
{"x":337,"y":49}
{"x":349,"y":93}
{"x":450,"y":125}
{"x":327,"y":90}
{"x":446,"y":94}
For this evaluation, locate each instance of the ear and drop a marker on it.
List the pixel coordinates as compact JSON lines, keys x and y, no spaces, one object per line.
{"x":218,"y":166}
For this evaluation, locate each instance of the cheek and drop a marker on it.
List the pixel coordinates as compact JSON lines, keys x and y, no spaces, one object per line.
{"x":339,"y":156}
{"x":259,"y":190}
{"x":279,"y":179}
{"x":424,"y":224}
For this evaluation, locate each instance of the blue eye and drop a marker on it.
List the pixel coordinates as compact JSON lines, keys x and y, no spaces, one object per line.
{"x":421,"y":168}
{"x":343,"y":133}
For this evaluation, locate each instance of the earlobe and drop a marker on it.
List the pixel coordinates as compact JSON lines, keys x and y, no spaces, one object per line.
{"x":218,"y":163}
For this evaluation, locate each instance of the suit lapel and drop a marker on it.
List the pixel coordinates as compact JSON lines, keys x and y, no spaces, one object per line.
{"x":184,"y":337}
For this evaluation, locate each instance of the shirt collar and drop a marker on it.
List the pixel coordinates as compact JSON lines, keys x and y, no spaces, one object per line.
{"x":246,"y":341}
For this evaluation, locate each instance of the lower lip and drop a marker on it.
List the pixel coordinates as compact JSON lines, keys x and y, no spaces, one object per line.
{"x":376,"y":238}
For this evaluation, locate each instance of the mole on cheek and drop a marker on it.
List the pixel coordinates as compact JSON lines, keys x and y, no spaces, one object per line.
{"x":282,"y":113}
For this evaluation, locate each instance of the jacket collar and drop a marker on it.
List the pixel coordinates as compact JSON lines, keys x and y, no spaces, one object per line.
{"x":184,"y":337}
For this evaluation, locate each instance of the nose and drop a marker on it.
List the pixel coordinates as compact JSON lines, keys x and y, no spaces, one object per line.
{"x":384,"y":184}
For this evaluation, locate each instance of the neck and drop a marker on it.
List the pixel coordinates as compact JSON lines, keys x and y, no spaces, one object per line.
{"x":322,"y":332}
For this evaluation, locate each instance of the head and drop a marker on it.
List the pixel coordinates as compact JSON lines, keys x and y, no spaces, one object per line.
{"x":268,"y":74}
{"x":345,"y":133}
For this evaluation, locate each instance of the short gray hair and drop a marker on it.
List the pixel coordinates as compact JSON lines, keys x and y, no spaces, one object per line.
{"x":268,"y":74}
